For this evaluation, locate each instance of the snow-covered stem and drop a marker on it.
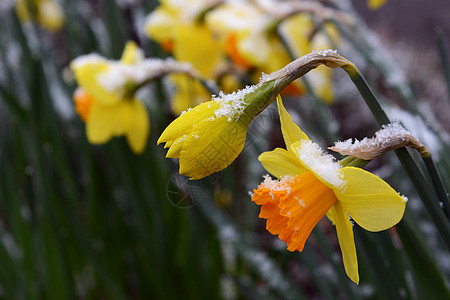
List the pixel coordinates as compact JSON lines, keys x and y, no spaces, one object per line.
{"x":390,"y":137}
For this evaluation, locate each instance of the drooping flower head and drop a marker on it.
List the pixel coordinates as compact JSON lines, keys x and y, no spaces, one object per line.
{"x":209,"y":137}
{"x":106,"y":98}
{"x":311,"y":184}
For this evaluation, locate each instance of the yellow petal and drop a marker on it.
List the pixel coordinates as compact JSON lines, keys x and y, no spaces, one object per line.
{"x":22,"y":10}
{"x":185,"y":122}
{"x":131,"y":54}
{"x":280,"y":162}
{"x":104,"y":121}
{"x":321,"y":83}
{"x":291,"y":132}
{"x":198,"y":45}
{"x":50,"y":15}
{"x":370,"y":201}
{"x":296,"y":31}
{"x":160,"y":24}
{"x":212,"y":146}
{"x":189,"y":92}
{"x":344,"y":231}
{"x":263,"y":51}
{"x":175,"y":147}
{"x":375,"y":4}
{"x":330,"y":217}
{"x":87,"y":71}
{"x":138,"y":126}
{"x":168,"y":144}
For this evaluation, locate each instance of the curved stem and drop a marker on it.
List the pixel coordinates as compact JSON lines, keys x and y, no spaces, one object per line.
{"x":429,"y":198}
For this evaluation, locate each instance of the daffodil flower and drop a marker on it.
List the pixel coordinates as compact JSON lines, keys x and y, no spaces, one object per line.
{"x":252,"y":32}
{"x":106,"y":101}
{"x":256,"y":38}
{"x":47,"y":13}
{"x":311,"y":184}
{"x":209,"y":137}
{"x":177,"y":27}
{"x":297,"y":31}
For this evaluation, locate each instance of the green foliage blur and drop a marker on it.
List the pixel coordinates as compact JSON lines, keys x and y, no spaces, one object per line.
{"x":79,"y":221}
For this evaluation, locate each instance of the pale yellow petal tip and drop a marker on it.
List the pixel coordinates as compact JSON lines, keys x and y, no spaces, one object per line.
{"x":131,"y":53}
{"x":138,"y":150}
{"x":354,"y":277}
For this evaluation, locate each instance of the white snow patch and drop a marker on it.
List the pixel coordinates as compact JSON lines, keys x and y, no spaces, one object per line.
{"x":119,"y":74}
{"x":381,"y":138}
{"x":232,"y":105}
{"x":280,"y":185}
{"x":324,"y":165}
{"x":325,"y":52}
{"x":185,"y":111}
{"x":418,"y":128}
{"x":87,"y":59}
{"x":405,"y":199}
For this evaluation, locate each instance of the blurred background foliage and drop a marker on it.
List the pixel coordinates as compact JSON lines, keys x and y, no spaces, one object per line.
{"x":79,"y":221}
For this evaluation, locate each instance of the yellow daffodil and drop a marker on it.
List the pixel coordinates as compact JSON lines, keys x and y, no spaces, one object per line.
{"x":177,"y":27}
{"x":209,"y":137}
{"x":311,"y":184}
{"x":258,"y":39}
{"x":250,"y":33}
{"x":47,"y":13}
{"x":297,"y":31}
{"x":105,"y":98}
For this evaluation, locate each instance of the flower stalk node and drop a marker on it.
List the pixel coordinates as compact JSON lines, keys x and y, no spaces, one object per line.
{"x":389,"y":137}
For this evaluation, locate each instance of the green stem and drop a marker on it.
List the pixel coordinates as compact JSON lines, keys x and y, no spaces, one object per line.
{"x":353,"y":162}
{"x":365,"y":91}
{"x":438,"y":184}
{"x":429,"y":199}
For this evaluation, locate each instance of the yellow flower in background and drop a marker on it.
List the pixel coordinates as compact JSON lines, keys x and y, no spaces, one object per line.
{"x":210,"y":136}
{"x":375,"y":4}
{"x":47,"y":13}
{"x":177,"y":27}
{"x":311,"y":184}
{"x":105,"y":98}
{"x":253,"y":33}
{"x":299,"y":33}
{"x":259,"y":40}
{"x":187,"y":92}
